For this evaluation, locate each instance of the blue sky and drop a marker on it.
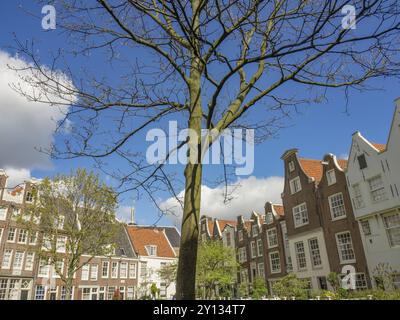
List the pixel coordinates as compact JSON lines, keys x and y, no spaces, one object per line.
{"x":315,"y":130}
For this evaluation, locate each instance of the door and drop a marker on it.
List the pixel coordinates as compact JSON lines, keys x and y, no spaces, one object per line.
{"x":24,"y":294}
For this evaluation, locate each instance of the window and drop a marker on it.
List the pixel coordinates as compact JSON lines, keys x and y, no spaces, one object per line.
{"x":86,"y":293}
{"x":253,"y":249}
{"x":130,"y":294}
{"x":261,"y":272}
{"x":254,"y":230}
{"x":362,"y":162}
{"x":300,"y":215}
{"x":392,"y":226}
{"x":132,"y":271}
{"x":272,"y":238}
{"x":275,"y":262}
{"x":242,"y":254}
{"x":259,"y":248}
{"x":33,"y":238}
{"x":94,"y":270}
{"x":114,"y":269}
{"x":63,"y":294}
{"x":295,"y":185}
{"x":377,"y":189}
{"x":60,"y":222}
{"x":336,"y":204}
{"x":30,"y":258}
{"x":300,"y":255}
{"x":40,"y":293}
{"x":22,"y":236}
{"x":7,"y":259}
{"x":331,"y":177}
{"x":105,"y":269}
{"x":61,"y":244}
{"x":240,"y":235}
{"x":44,"y":268}
{"x":361,"y":281}
{"x":345,"y":247}
{"x":143,"y":269}
{"x":102,"y":293}
{"x":11,"y":235}
{"x":123,"y":270}
{"x":85,"y":272}
{"x":228,"y":239}
{"x":365,"y":227}
{"x":322,"y":283}
{"x":29,"y":197}
{"x":358,"y":199}
{"x":110,"y":293}
{"x":314,"y":252}
{"x":163,"y":289}
{"x":151,"y":250}
{"x":1,"y":233}
{"x":15,"y":213}
{"x":3,"y":213}
{"x":269,"y":218}
{"x":244,"y":276}
{"x":18,"y":260}
{"x":291,"y":166}
{"x":46,"y":243}
{"x":58,"y":269}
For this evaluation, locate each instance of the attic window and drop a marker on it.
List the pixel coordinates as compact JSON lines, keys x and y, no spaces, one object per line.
{"x":362,"y":162}
{"x":268,"y":218}
{"x":122,"y":251}
{"x":151,"y":250}
{"x":291,"y":166}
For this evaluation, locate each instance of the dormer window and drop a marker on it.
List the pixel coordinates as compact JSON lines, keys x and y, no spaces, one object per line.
{"x":291,"y":166}
{"x":29,"y":197}
{"x":362,"y":162}
{"x":295,"y":185}
{"x":331,"y":177}
{"x":240,"y":235}
{"x":269,"y":218}
{"x":254,"y":230}
{"x":151,"y":250}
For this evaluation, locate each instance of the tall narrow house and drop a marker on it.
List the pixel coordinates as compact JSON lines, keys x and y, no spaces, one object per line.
{"x":373,"y":177}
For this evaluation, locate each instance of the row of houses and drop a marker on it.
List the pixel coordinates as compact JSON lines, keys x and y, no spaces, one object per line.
{"x":337,"y":215}
{"x":128,"y":273}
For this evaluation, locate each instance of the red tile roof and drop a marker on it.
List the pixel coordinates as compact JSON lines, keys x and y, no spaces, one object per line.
{"x":222,"y":224}
{"x":379,"y":146}
{"x":144,"y":236}
{"x":279,"y":210}
{"x":312,"y":168}
{"x":342,"y":163}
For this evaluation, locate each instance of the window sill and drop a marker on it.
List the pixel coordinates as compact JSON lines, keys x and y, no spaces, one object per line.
{"x":339,"y":218}
{"x":301,"y":225}
{"x":348,"y":261}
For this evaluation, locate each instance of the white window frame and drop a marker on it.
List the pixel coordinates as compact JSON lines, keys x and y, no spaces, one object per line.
{"x":29,"y":261}
{"x":366,"y":227}
{"x":341,"y":248}
{"x":298,"y":210}
{"x":294,"y":183}
{"x":114,"y":269}
{"x":94,"y":272}
{"x":132,"y":270}
{"x":85,"y":272}
{"x":23,"y":233}
{"x":275,"y":262}
{"x":334,"y":204}
{"x":3,"y":213}
{"x":240,"y":235}
{"x":291,"y":166}
{"x":33,"y":235}
{"x":7,"y":257}
{"x":18,"y":260}
{"x":272,"y":234}
{"x":300,"y":255}
{"x":14,"y":233}
{"x":254,"y":230}
{"x":315,"y":253}
{"x":61,"y":244}
{"x":376,"y":189}
{"x":269,"y":218}
{"x":331,"y":177}
{"x":103,"y":268}
{"x":261,"y":270}
{"x":259,"y":247}
{"x":253,"y":250}
{"x":392,"y":227}
{"x":125,"y":274}
{"x":151,"y":250}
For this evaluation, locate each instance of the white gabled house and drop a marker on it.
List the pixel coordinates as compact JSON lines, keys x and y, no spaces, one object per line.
{"x":373,"y":177}
{"x":154,"y":249}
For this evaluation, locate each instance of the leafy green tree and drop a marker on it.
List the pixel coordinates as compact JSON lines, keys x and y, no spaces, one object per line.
{"x":75,"y":215}
{"x":154,"y":291}
{"x":291,"y":286}
{"x":259,"y":288}
{"x":333,"y":279}
{"x":216,"y":268}
{"x":167,"y":273}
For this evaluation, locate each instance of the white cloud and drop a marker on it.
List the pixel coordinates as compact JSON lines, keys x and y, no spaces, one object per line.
{"x":16,"y":176}
{"x":124,"y":213}
{"x":247,"y":195}
{"x":24,"y":126}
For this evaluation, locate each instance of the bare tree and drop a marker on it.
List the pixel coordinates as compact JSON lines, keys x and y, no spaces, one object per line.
{"x":206,"y":63}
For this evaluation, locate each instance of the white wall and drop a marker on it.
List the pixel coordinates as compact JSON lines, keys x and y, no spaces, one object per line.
{"x":309,"y":272}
